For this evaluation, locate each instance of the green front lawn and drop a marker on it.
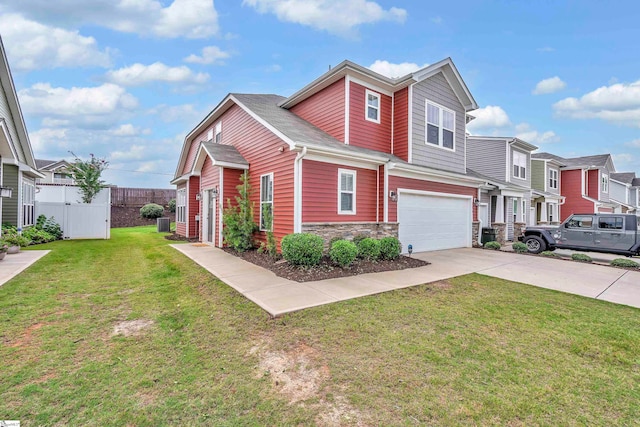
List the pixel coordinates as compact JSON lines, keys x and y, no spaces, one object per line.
{"x":473,"y":350}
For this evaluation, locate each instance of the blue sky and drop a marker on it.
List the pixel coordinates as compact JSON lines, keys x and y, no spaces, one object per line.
{"x":127,"y":79}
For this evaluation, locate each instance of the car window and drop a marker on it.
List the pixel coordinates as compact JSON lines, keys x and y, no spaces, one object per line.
{"x":610,"y":223}
{"x":580,"y":222}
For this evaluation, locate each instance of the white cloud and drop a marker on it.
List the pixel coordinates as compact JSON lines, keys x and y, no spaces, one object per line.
{"x":550,"y":85}
{"x":186,"y":113}
{"x":340,"y":17}
{"x":634,"y":143}
{"x":622,"y":159}
{"x":181,"y":18}
{"x":31,"y":45}
{"x":392,"y":70}
{"x":273,"y":68}
{"x":42,"y":138}
{"x":77,"y":103}
{"x":136,"y":152}
{"x":128,"y":129}
{"x":532,"y":136}
{"x":139,"y":74}
{"x":617,"y":103}
{"x":491,"y":116}
{"x":210,"y":55}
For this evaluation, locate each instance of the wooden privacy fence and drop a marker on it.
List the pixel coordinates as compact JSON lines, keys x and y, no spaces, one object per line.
{"x":139,"y":197}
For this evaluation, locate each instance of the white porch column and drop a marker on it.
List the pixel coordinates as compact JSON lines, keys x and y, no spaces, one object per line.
{"x":544,"y":217}
{"x":499,"y":208}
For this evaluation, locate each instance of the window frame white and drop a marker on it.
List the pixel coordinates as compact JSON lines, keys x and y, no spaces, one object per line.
{"x":553,"y":179}
{"x":604,"y":183}
{"x":440,"y":125}
{"x":28,"y":202}
{"x":367,"y":106}
{"x":354,"y":176}
{"x":520,"y":168}
{"x":218,"y":133}
{"x":210,"y":135}
{"x":551,"y":214}
{"x":181,"y":205}
{"x":262,"y":202}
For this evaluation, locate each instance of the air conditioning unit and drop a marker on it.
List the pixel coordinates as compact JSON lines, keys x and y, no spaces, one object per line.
{"x":164,"y":225}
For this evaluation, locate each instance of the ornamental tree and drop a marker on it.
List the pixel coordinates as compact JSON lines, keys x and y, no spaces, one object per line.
{"x":86,"y":174}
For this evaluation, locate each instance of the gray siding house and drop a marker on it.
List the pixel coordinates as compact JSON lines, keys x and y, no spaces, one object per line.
{"x":506,"y":163}
{"x":18,"y":170}
{"x":545,"y":191}
{"x":623,"y":189}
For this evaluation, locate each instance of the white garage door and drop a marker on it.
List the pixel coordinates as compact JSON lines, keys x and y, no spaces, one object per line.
{"x":432,"y":222}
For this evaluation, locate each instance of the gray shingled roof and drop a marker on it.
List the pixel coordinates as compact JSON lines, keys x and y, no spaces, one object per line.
{"x":490,"y":180}
{"x":41,"y":163}
{"x":225,"y":153}
{"x":597,"y":160}
{"x":624,"y":177}
{"x":636,"y":182}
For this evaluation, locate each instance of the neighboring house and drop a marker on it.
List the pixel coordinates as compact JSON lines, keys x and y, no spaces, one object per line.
{"x":584,"y":183}
{"x":54,"y":171}
{"x":545,"y":191}
{"x":624,"y":191}
{"x":18,"y":168}
{"x":506,"y":163}
{"x":352,"y":152}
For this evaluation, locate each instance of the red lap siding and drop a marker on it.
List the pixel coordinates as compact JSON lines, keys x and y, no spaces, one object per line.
{"x":320,"y":193}
{"x":401,"y":124}
{"x":210,"y":179}
{"x":325,"y":110}
{"x":362,"y":132}
{"x":193,"y":208}
{"x":396,"y":182}
{"x":594,"y":181}
{"x":571,"y":189}
{"x":181,"y":227}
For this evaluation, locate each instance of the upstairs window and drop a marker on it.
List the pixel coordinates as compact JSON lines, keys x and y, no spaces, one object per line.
{"x":209,"y":134}
{"x":181,"y":205}
{"x":373,"y":107}
{"x":553,"y":179}
{"x":346,"y":192}
{"x":218,"y":137}
{"x":519,"y":165}
{"x":440,"y":126}
{"x":266,"y":202}
{"x":605,"y":183}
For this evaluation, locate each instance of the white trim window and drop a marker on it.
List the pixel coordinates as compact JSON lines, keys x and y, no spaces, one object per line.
{"x":372,"y":111}
{"x":551,"y":212}
{"x":218,"y":136}
{"x":519,"y":165}
{"x":346,"y":192}
{"x":209,"y":134}
{"x":605,"y":183}
{"x":28,"y":203}
{"x":553,"y":179}
{"x":266,"y":201}
{"x":440,"y":126}
{"x":181,"y":205}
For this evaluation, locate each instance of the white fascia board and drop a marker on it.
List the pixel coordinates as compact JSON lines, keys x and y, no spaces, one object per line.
{"x":183,"y":178}
{"x":338,"y":153}
{"x":342,"y":161}
{"x":370,"y":86}
{"x":426,"y":175}
{"x":29,"y":170}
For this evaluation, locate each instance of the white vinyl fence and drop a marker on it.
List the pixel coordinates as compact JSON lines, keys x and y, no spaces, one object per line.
{"x":78,"y":220}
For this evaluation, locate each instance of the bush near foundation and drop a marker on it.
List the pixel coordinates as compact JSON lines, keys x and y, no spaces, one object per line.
{"x":303,"y":249}
{"x":151,"y":211}
{"x":519,"y":247}
{"x":369,"y":249}
{"x":390,"y":248}
{"x":343,"y":252}
{"x":492,"y":245}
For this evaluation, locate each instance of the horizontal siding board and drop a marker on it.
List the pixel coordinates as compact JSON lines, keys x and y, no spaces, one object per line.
{"x":364,"y":133}
{"x":401,"y":124}
{"x":487,"y":156}
{"x":194,"y":206}
{"x":325,"y":109}
{"x":538,"y":174}
{"x":592,"y":185}
{"x":571,"y":188}
{"x":320,"y":193}
{"x":437,"y":89}
{"x":10,"y":205}
{"x":5,"y":113}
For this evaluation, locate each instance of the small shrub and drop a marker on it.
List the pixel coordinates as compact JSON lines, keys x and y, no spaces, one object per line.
{"x":581,"y":257}
{"x":390,"y":248}
{"x":549,"y":254}
{"x":302,"y":249}
{"x":12,"y":238}
{"x":359,"y":238}
{"x":37,"y":236}
{"x":333,"y":240}
{"x":492,"y":245}
{"x":151,"y":211}
{"x":238,"y":222}
{"x":624,"y":262}
{"x":369,"y":249}
{"x":343,"y":252}
{"x":172,"y":205}
{"x":50,"y":226}
{"x":519,"y":247}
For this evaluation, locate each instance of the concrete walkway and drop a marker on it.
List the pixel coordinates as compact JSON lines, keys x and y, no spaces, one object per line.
{"x":14,"y":264}
{"x":278,"y":296}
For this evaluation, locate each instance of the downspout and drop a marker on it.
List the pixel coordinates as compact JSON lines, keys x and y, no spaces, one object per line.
{"x":385,"y":199}
{"x":297,"y":188}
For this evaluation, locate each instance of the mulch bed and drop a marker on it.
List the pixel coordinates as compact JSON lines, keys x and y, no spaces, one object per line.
{"x":179,"y":238}
{"x":326,"y":270}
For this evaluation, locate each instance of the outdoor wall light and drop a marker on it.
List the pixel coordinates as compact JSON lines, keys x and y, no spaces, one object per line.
{"x":197,"y":196}
{"x":6,"y":192}
{"x":214,"y":193}
{"x":393,"y":196}
{"x":476,"y":202}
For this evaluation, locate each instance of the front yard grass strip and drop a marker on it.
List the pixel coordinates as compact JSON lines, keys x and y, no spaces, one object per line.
{"x":470,"y":351}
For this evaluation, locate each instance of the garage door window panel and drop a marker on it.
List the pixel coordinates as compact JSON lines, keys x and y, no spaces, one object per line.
{"x":346,"y":192}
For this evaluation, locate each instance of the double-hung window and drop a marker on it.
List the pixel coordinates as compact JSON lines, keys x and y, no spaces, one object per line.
{"x":266,"y":202}
{"x":346,"y":192}
{"x":440,"y":126}
{"x":28,"y":206}
{"x":553,"y":179}
{"x":605,"y":183}
{"x":519,"y":165}
{"x":181,"y":205}
{"x":218,"y":137}
{"x":372,"y":112}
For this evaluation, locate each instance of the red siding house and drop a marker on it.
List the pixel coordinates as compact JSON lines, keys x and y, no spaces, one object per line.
{"x":353,"y":152}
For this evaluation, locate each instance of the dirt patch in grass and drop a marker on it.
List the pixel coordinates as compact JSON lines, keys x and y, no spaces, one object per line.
{"x":27,"y":336}
{"x":132,"y":328}
{"x":326,"y":269}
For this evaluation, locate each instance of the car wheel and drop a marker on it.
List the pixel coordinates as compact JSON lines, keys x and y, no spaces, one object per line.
{"x":535,"y":244}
